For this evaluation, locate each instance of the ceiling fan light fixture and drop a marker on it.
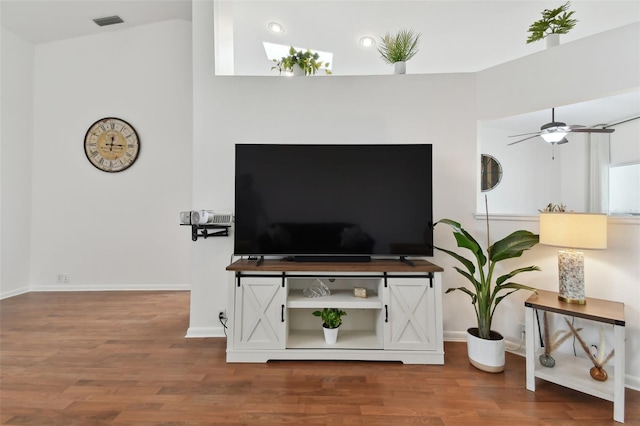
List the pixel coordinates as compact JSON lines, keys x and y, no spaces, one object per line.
{"x":553,"y":137}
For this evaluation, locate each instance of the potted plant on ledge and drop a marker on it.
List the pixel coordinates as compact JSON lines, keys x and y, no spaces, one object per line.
{"x":301,"y":63}
{"x":485,"y":346}
{"x":331,"y":320}
{"x":399,"y":48}
{"x":553,"y":23}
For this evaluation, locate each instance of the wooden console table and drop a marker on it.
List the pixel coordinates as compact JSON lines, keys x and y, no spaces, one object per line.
{"x":570,"y":371}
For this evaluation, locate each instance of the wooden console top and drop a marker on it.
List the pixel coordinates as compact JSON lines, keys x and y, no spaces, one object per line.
{"x":372,"y":266}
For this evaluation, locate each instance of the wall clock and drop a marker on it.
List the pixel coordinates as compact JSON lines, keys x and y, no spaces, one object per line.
{"x":111,"y":144}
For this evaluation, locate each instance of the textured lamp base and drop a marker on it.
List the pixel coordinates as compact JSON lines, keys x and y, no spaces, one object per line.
{"x":571,"y":272}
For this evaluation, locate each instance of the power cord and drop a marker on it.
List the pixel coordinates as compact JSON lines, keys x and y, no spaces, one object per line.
{"x":223,"y":321}
{"x":519,"y":346}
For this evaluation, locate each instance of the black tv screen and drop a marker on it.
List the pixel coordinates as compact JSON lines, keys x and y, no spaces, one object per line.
{"x":333,"y":200}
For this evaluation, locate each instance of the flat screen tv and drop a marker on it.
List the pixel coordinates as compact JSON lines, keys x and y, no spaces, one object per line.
{"x":317,"y":202}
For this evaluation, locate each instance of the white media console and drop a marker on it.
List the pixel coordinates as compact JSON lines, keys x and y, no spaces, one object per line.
{"x":399,"y":320}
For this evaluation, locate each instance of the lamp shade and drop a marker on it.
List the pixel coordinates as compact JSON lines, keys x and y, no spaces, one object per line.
{"x":574,"y":230}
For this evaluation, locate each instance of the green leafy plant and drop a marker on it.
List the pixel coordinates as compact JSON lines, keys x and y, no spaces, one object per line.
{"x":331,"y":317}
{"x":399,"y":47}
{"x":554,"y":21}
{"x":306,"y":60}
{"x":485,"y":295}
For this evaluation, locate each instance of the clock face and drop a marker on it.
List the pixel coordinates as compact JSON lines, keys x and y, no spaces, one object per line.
{"x":111,"y":144}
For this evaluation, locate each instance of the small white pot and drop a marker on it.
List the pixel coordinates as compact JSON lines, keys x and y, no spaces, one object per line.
{"x":400,"y":67}
{"x":485,"y":355}
{"x":552,"y":40}
{"x":297,"y":70}
{"x":330,"y":335}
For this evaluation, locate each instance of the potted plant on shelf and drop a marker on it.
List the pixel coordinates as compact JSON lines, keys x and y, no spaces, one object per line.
{"x":301,"y":62}
{"x":331,"y":320}
{"x":553,"y":23}
{"x":399,"y":48}
{"x":485,"y":346}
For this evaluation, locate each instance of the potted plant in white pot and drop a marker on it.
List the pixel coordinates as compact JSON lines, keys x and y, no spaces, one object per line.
{"x":485,"y":346}
{"x":399,"y":48}
{"x":301,"y":62}
{"x":553,"y":23}
{"x":331,"y":320}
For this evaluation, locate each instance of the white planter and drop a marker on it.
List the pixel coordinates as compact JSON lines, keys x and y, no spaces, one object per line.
{"x":485,"y":355}
{"x":330,"y":335}
{"x":297,"y":70}
{"x":400,"y":67}
{"x":552,"y":40}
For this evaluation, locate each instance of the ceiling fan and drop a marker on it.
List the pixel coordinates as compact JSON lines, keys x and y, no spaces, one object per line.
{"x":555,"y":132}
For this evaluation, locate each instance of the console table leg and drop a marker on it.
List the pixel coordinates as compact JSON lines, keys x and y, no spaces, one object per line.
{"x":619,"y":363}
{"x":530,"y":349}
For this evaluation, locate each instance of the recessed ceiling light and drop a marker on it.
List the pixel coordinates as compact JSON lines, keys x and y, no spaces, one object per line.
{"x":367,"y":41}
{"x":275,"y":27}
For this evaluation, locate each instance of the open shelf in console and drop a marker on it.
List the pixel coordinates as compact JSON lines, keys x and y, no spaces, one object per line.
{"x":347,"y":339}
{"x":341,"y":299}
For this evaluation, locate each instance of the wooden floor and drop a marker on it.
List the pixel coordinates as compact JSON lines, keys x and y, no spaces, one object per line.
{"x":93,"y":358}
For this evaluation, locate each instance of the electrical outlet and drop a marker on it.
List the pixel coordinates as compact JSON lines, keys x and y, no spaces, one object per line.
{"x":65,"y":277}
{"x":522,"y":329}
{"x":222,"y":315}
{"x":60,"y":278}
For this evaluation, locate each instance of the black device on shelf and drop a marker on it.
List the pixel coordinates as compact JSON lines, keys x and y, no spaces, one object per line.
{"x":331,"y":202}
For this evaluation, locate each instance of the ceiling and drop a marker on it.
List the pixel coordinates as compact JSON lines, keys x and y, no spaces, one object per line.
{"x":457,"y":35}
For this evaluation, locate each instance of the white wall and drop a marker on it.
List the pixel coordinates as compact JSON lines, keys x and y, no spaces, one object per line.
{"x":373,"y":109}
{"x":113,"y":230}
{"x":16,"y":136}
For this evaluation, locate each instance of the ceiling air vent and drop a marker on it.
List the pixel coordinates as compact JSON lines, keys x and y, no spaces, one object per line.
{"x":109,"y":20}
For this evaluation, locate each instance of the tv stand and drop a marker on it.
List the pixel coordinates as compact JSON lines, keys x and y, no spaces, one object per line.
{"x":399,"y":320}
{"x":404,"y":259}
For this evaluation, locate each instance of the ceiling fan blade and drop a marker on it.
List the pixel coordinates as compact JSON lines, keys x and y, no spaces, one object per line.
{"x":588,"y":130}
{"x":525,"y":134}
{"x":522,"y":140}
{"x":576,"y":126}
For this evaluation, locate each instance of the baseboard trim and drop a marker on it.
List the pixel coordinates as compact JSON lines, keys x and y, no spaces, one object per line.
{"x":111,"y":287}
{"x":203,"y":332}
{"x":12,"y":293}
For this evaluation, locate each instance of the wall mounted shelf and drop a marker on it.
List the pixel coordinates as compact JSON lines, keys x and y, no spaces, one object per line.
{"x":205,"y":231}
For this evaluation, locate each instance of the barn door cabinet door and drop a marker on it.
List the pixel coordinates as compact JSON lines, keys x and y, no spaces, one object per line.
{"x":409,"y":314}
{"x":259,"y":313}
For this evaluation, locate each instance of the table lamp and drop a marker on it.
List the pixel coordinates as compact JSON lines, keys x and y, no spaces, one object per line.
{"x":573,"y":231}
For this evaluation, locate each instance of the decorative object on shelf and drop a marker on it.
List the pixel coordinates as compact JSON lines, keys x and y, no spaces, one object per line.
{"x":317,"y":289}
{"x":551,"y":343}
{"x":397,"y":49}
{"x":360,"y":292}
{"x":301,"y":63}
{"x":331,"y":320}
{"x":485,"y":296}
{"x":490,"y":172}
{"x":554,"y":208}
{"x":111,"y":144}
{"x":573,"y":230}
{"x":553,"y":23}
{"x":597,"y":372}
